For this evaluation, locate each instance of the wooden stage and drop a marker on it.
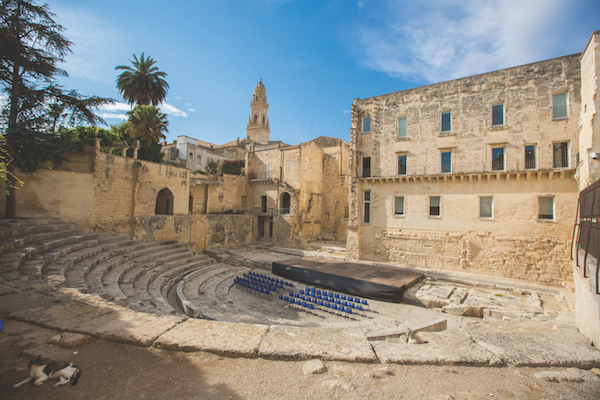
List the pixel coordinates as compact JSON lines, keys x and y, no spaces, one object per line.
{"x":379,"y":283}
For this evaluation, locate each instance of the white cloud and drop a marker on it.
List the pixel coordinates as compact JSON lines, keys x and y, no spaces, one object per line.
{"x":116,"y":106}
{"x":172,"y":110}
{"x":119,"y":110}
{"x":112,"y":116}
{"x":446,"y":39}
{"x":191,"y":110}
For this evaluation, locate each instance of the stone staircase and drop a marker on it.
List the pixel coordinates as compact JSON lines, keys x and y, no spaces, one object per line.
{"x":51,"y":256}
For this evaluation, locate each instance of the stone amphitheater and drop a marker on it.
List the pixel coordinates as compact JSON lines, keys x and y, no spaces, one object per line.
{"x":165,"y":295}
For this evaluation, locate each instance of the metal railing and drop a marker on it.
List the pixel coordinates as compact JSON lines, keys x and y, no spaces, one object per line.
{"x":588,"y":238}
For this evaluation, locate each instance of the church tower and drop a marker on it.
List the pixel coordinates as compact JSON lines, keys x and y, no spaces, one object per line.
{"x":258,"y":122}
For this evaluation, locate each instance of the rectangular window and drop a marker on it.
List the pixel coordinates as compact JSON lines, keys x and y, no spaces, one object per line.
{"x":560,"y":154}
{"x":546,"y":207}
{"x":486,"y":207}
{"x":446,"y":121}
{"x":434,"y":206}
{"x":263,"y":204}
{"x":199,"y":160}
{"x":402,"y":127}
{"x":559,"y":106}
{"x":268,"y":170}
{"x":498,"y":159}
{"x":366,"y":167}
{"x":498,"y":114}
{"x":288,"y":166}
{"x":398,"y":205}
{"x":530,"y":162}
{"x":402,"y":164}
{"x":366,"y":206}
{"x":446,"y":162}
{"x":366,"y":125}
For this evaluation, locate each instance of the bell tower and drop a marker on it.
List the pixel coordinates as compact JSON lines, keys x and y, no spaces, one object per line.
{"x":258,"y":122}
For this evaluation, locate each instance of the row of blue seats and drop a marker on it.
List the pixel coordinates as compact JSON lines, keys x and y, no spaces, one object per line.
{"x":250,"y":286}
{"x":261,"y":276}
{"x":311,"y":306}
{"x":263,"y":282}
{"x":327,"y":303}
{"x":325,"y":295}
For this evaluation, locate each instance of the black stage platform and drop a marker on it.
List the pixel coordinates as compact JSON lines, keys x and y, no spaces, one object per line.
{"x":378,"y":283}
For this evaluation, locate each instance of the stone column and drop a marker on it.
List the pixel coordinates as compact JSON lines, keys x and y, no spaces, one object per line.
{"x":135,"y":146}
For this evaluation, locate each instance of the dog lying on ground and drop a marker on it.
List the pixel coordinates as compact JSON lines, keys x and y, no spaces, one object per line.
{"x":40,"y":373}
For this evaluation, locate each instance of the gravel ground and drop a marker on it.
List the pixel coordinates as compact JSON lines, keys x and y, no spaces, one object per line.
{"x":117,"y":371}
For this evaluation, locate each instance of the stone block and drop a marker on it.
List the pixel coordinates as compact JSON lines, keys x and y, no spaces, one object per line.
{"x":301,"y":343}
{"x":230,"y":339}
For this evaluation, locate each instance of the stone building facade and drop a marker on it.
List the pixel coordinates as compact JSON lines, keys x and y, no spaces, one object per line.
{"x":475,"y":174}
{"x":587,"y":249}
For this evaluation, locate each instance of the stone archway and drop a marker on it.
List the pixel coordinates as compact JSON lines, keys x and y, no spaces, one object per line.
{"x":164,"y":202}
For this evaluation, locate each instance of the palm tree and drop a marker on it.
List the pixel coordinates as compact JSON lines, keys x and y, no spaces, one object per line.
{"x":148,"y":124}
{"x":143,"y":84}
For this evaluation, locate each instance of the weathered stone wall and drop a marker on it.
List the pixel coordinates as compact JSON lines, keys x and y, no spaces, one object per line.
{"x":229,"y":230}
{"x":526,"y":93}
{"x":199,"y":198}
{"x":335,"y":191}
{"x":514,"y":242}
{"x":56,"y":194}
{"x":587,"y":300}
{"x":291,"y":154}
{"x":152,"y":178}
{"x":227,"y":196}
{"x":310,"y":198}
{"x":205,"y":231}
{"x":589,"y":134}
{"x":258,"y":161}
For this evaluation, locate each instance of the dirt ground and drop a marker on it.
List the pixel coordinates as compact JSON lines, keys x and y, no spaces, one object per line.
{"x":118,"y":371}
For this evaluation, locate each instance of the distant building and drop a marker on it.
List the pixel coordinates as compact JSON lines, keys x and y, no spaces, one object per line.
{"x":299,"y":193}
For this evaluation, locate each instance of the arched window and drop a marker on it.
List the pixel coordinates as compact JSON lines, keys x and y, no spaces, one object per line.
{"x":263,"y":120}
{"x":285,"y":204}
{"x":255,"y":119}
{"x":164,"y":202}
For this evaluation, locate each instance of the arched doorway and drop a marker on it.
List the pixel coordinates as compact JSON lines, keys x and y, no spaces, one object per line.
{"x":284,"y":207}
{"x":164,"y":202}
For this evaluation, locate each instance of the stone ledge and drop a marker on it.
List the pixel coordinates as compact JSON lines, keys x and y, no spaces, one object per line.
{"x":225,"y":338}
{"x":302,"y":343}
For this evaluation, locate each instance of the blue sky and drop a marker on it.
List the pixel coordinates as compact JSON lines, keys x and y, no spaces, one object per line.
{"x":314,"y":56}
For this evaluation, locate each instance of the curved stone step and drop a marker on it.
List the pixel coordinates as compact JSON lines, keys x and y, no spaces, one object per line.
{"x":17,"y":230}
{"x":152,"y":254}
{"x":189,"y":297}
{"x":15,"y":251}
{"x":55,"y":271}
{"x":159,"y":287}
{"x":113,"y":280}
{"x":36,"y":265}
{"x":75,"y":276}
{"x":141,"y":280}
{"x":10,"y":223}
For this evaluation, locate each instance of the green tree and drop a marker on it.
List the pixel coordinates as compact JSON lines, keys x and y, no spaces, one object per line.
{"x":76,"y":139}
{"x":212,"y":166}
{"x":143,"y":84}
{"x":147,"y":124}
{"x":31,"y":47}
